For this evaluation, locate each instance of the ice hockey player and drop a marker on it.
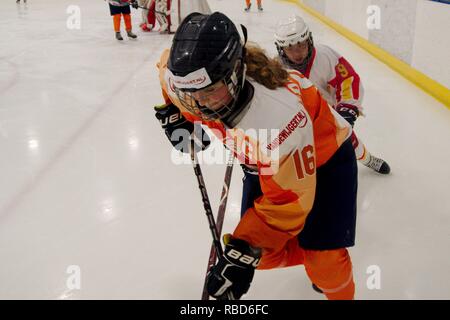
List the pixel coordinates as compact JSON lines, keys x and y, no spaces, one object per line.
{"x":120,"y":8}
{"x":248,"y":4}
{"x":333,"y":75}
{"x":162,"y":10}
{"x":305,"y":212}
{"x":148,"y":15}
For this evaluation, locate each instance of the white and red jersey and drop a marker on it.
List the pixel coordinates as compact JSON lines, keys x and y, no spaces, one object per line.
{"x":335,"y":77}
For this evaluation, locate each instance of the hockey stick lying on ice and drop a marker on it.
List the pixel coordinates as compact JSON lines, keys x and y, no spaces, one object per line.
{"x":220,"y":217}
{"x":207,"y":205}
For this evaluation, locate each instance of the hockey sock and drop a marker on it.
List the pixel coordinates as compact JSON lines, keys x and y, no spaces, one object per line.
{"x":331,"y":272}
{"x":127,"y":19}
{"x":169,"y":5}
{"x":116,"y":20}
{"x":162,"y":20}
{"x":360,"y":150}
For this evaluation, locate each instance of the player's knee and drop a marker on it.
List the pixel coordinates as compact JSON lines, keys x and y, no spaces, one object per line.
{"x":328,"y":268}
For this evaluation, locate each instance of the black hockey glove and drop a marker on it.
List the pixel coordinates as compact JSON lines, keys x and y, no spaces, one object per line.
{"x":348,"y":112}
{"x":234,"y":271}
{"x":134,"y":4}
{"x":179,"y":131}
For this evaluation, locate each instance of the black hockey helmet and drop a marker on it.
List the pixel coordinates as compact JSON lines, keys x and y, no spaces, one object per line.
{"x":206,"y":49}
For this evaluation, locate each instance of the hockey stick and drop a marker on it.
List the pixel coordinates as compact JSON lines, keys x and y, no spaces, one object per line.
{"x":179,"y":13}
{"x":135,"y":7}
{"x":220,"y":217}
{"x":161,"y":17}
{"x":207,"y":206}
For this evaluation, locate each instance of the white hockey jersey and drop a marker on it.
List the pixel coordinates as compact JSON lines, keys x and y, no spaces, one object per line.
{"x":335,"y":77}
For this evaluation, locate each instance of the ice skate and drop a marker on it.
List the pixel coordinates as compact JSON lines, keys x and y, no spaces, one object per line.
{"x":316,"y":288}
{"x":376,"y":164}
{"x":119,"y":36}
{"x":131,"y":35}
{"x":164,"y":28}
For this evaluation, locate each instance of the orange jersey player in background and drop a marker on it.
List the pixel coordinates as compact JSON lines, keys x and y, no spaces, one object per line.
{"x":119,"y":8}
{"x":248,"y":5}
{"x":306,"y":210}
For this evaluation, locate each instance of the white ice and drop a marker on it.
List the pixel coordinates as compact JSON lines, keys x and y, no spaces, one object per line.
{"x":87,"y":178}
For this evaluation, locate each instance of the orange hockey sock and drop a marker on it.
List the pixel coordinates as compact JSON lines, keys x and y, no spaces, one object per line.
{"x":127,"y":19}
{"x":116,"y":20}
{"x":331,"y":271}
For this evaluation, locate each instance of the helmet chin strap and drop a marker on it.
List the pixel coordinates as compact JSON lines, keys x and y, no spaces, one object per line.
{"x":298,"y":66}
{"x":245,"y":95}
{"x":246,"y":92}
{"x":242,"y":105}
{"x":243,"y":75}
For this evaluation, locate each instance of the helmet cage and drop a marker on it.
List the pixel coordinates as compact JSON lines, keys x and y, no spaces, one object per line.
{"x":298,"y":66}
{"x":234,"y":81}
{"x":291,"y":32}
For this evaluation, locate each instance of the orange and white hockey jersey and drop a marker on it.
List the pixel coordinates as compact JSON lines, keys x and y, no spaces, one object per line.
{"x":287,"y":133}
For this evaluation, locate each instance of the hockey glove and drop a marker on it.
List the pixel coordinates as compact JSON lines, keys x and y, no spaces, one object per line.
{"x":348,"y":112}
{"x":134,"y":4}
{"x":234,"y":271}
{"x":179,"y":131}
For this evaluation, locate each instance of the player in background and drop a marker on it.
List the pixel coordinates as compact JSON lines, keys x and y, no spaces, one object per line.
{"x":162,"y":10}
{"x":120,"y":8}
{"x":18,"y":1}
{"x":148,"y":15}
{"x":306,"y":211}
{"x":333,"y":75}
{"x":248,"y":4}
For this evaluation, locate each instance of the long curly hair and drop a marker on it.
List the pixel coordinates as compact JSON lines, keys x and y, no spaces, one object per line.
{"x":268,"y":72}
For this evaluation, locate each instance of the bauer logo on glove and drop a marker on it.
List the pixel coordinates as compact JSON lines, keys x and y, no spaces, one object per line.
{"x":233,"y":273}
{"x":180,"y":131}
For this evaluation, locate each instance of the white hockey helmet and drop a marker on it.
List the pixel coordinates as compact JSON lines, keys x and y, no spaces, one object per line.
{"x":291,"y":31}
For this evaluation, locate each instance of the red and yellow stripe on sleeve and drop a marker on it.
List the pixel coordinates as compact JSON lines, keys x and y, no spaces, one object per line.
{"x":346,"y":82}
